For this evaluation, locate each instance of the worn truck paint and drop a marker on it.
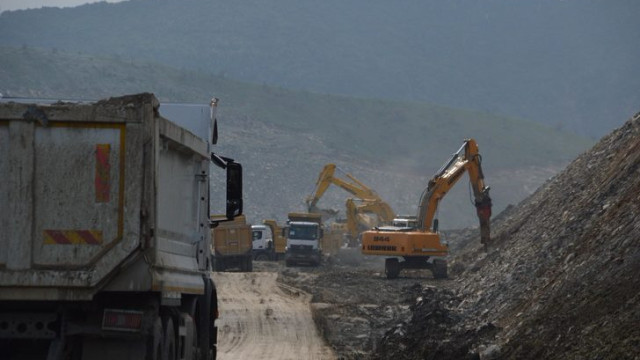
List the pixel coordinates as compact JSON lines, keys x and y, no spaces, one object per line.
{"x":104,"y":231}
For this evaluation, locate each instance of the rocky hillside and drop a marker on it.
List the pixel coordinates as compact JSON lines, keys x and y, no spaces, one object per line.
{"x":284,"y":137}
{"x":560,"y":280}
{"x":281,"y":168}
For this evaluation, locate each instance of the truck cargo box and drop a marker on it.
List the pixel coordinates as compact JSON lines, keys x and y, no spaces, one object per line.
{"x":100,"y":196}
{"x":232,"y":245}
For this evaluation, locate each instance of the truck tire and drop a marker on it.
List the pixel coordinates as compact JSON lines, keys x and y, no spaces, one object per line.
{"x":243,"y":263}
{"x":439,"y":269}
{"x":169,"y":346}
{"x":219,"y":265}
{"x":262,"y":257}
{"x":188,"y":339}
{"x":155,"y":341}
{"x":206,"y":330}
{"x":392,"y":268}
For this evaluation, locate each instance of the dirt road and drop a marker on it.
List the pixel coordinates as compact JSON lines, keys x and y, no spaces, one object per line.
{"x":261,"y":319}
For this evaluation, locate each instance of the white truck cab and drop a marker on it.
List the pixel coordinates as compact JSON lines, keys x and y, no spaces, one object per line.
{"x":262,"y":238}
{"x":303,"y":243}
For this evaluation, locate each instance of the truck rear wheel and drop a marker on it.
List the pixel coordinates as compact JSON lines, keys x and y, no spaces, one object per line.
{"x":155,"y":341}
{"x":169,"y":344}
{"x":392,"y":268}
{"x":218,"y":264}
{"x":262,"y":257}
{"x":206,"y":331}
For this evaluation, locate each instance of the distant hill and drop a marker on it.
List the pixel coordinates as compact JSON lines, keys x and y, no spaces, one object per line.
{"x":285,"y":137}
{"x":568,"y":64}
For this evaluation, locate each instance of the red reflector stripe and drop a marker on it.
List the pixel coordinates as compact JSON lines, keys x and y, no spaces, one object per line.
{"x":122,"y":320}
{"x":103,"y":173}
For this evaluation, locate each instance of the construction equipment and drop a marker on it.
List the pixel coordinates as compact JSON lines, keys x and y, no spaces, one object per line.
{"x":420,"y":246}
{"x":104,"y":229}
{"x":303,"y":233}
{"x":359,"y":216}
{"x":231,"y":245}
{"x":357,"y":210}
{"x":268,"y":241}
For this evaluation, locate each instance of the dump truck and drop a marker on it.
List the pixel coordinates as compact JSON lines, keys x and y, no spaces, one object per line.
{"x":268,"y":241}
{"x":232,"y":246}
{"x":303,"y":233}
{"x":104,"y":229}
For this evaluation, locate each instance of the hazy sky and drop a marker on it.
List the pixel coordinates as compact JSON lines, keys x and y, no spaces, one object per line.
{"x":6,"y":5}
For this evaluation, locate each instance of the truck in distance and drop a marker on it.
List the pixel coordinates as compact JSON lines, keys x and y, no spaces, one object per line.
{"x":303,"y":233}
{"x":268,"y":241}
{"x":231,"y":245}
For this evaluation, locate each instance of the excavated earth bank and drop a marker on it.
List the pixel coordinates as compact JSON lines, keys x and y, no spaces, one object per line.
{"x":561,"y":279}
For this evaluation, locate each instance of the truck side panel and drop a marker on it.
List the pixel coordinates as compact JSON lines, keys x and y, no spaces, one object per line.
{"x":182,"y":214}
{"x":4,"y":190}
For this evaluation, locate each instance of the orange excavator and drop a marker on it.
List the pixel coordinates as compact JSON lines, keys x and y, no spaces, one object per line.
{"x":420,"y":247}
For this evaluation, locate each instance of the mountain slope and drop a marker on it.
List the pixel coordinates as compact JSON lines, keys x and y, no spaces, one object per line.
{"x":560,"y":280}
{"x":562,"y":63}
{"x":285,"y":137}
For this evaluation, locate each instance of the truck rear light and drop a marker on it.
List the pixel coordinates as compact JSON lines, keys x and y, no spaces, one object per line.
{"x":122,"y":320}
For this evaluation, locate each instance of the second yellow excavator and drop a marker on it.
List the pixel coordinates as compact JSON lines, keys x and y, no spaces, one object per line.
{"x":420,"y":246}
{"x":357,"y":210}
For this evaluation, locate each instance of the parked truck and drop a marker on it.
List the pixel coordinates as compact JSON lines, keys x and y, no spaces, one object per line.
{"x":232,"y":246}
{"x":303,"y":233}
{"x":268,"y":241}
{"x":104,"y":229}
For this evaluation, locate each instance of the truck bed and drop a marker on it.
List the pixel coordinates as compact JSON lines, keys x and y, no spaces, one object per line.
{"x":100,"y":196}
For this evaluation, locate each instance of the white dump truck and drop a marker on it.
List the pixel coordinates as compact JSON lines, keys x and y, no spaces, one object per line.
{"x":105,"y":229}
{"x":304,"y":236}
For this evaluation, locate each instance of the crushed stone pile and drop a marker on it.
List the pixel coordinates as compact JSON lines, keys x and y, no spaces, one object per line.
{"x":560,"y":280}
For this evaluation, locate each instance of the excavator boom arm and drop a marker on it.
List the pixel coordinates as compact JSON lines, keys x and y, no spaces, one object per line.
{"x":354,"y":187}
{"x":447,"y":177}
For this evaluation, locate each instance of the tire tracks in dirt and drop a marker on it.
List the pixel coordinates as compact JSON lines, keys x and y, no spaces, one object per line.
{"x":262,"y":319}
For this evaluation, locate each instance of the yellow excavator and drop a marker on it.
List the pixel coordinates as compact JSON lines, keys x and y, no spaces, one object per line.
{"x":420,"y":246}
{"x":357,"y":210}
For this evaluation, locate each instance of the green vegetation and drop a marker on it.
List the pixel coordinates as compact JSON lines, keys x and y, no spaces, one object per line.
{"x":408,"y":134}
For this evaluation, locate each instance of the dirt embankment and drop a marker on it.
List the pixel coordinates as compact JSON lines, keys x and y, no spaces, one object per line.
{"x":353,"y":302}
{"x":561,"y":279}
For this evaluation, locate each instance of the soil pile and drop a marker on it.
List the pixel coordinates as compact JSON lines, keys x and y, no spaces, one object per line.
{"x":560,"y":279}
{"x":353,"y":303}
